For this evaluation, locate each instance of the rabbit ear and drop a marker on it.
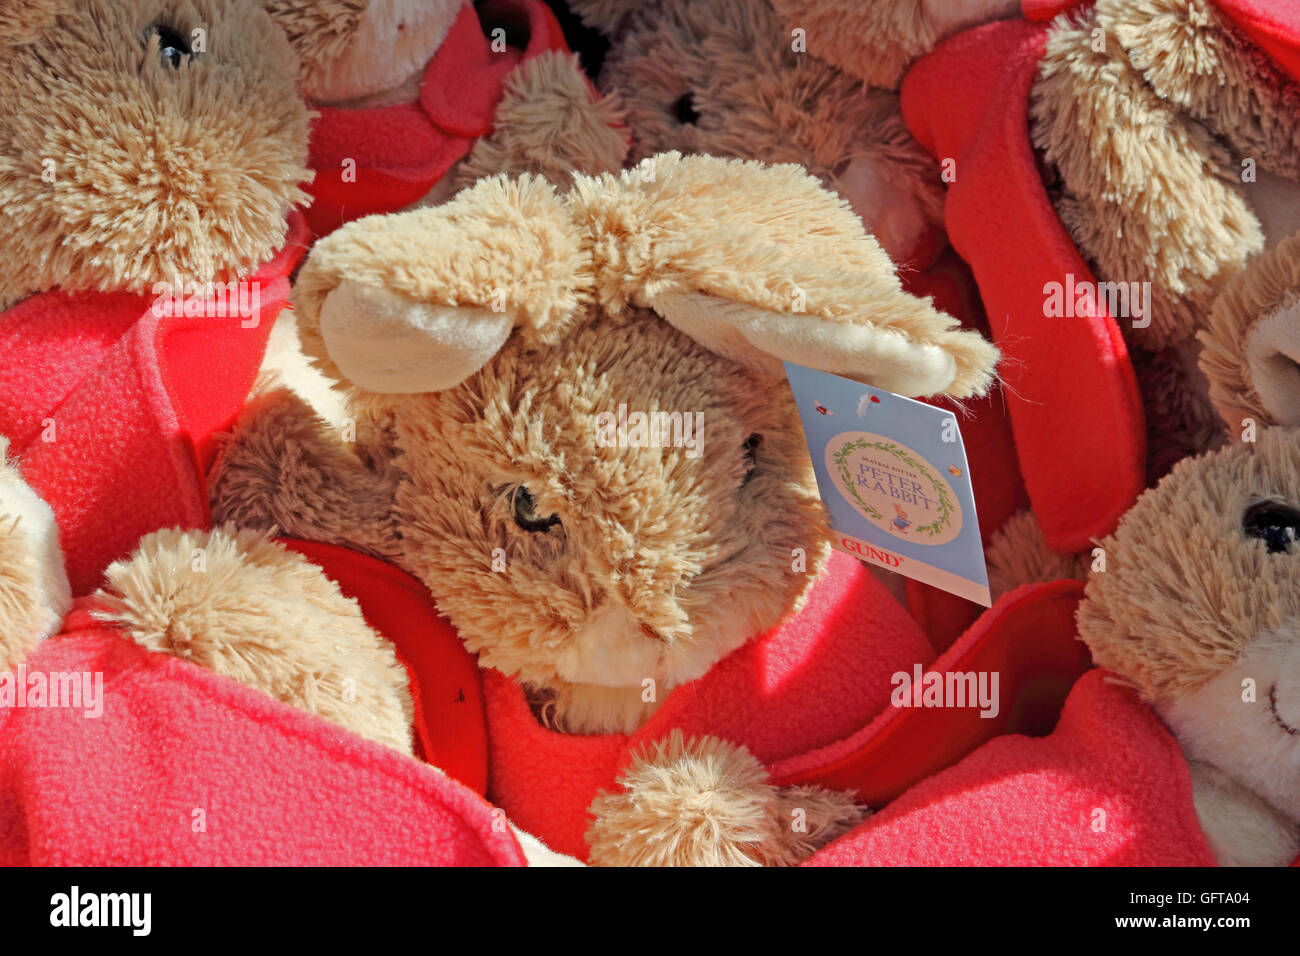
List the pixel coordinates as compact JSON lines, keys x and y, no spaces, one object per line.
{"x":761,"y":264}
{"x":419,"y":301}
{"x":1251,"y":348}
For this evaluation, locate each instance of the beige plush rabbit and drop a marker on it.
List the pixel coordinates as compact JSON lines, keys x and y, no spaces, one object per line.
{"x":482,"y":346}
{"x":1199,"y":604}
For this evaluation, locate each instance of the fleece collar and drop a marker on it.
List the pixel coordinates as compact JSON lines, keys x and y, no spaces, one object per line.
{"x":383,"y":159}
{"x":112,"y":404}
{"x":182,"y":767}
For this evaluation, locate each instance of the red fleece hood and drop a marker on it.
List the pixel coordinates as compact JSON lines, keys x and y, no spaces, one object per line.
{"x":112,"y":408}
{"x":182,"y":767}
{"x":380,"y":160}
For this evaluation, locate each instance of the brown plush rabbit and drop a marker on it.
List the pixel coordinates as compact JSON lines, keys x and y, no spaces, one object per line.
{"x":482,"y":346}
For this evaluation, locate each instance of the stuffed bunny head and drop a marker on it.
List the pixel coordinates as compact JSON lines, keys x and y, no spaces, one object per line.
{"x":729,"y":79}
{"x":1174,"y":141}
{"x":1199,"y":605}
{"x":364,"y":52}
{"x":604,"y":480}
{"x":141,"y":140}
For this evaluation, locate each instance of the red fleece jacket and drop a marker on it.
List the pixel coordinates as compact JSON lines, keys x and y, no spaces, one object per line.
{"x":183,"y":767}
{"x":383,"y":159}
{"x":112,"y":408}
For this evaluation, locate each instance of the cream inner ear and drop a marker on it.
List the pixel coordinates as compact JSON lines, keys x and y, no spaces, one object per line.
{"x":760,"y":339}
{"x":386,"y":343}
{"x":1272,"y":350}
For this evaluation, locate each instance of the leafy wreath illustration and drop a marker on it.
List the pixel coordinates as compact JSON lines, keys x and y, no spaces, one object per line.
{"x":941,"y":492}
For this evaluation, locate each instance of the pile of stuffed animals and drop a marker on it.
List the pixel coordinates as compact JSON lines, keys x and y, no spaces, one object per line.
{"x":310,"y":552}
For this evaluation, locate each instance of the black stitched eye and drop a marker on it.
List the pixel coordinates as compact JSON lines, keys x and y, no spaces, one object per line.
{"x":684,"y":110}
{"x":1274,"y":523}
{"x":750,"y":450}
{"x":526,"y":514}
{"x":172,"y":47}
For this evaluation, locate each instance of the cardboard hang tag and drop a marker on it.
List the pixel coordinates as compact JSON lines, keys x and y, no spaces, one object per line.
{"x":893,"y":474}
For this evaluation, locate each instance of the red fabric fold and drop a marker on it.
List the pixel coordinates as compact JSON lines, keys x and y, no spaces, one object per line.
{"x":1027,"y":638}
{"x":446,"y":684}
{"x":1109,"y":786}
{"x":380,"y":160}
{"x":183,"y":767}
{"x":815,"y":679}
{"x":112,"y":408}
{"x":1069,"y":385}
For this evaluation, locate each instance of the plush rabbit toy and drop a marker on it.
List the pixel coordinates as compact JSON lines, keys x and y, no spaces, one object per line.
{"x":488,"y":346}
{"x":1199,"y":603}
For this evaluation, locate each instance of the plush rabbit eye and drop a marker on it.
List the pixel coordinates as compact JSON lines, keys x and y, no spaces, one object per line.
{"x":684,"y":110}
{"x":750,"y":450}
{"x":525,"y":511}
{"x":1274,"y":523}
{"x":172,"y":47}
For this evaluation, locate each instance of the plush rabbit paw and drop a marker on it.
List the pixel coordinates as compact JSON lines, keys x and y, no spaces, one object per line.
{"x":710,"y":803}
{"x":34,"y":591}
{"x":246,"y":607}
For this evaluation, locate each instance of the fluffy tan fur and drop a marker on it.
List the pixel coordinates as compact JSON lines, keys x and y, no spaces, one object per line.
{"x":547,"y":123}
{"x":21,"y":22}
{"x":34,"y":592}
{"x":681,"y":225}
{"x":1269,"y":285}
{"x":1018,"y":554}
{"x":898,"y":32}
{"x":1171,"y":610}
{"x":300,"y":480}
{"x":709,"y":803}
{"x":879,"y":40}
{"x":502,"y":238}
{"x":320,"y":30}
{"x":19,"y":606}
{"x":157,"y":171}
{"x":1137,"y":613}
{"x":1147,"y":135}
{"x":246,"y":607}
{"x":1145,"y":191}
{"x":660,"y":560}
{"x":722,"y":79}
{"x":1194,"y":57}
